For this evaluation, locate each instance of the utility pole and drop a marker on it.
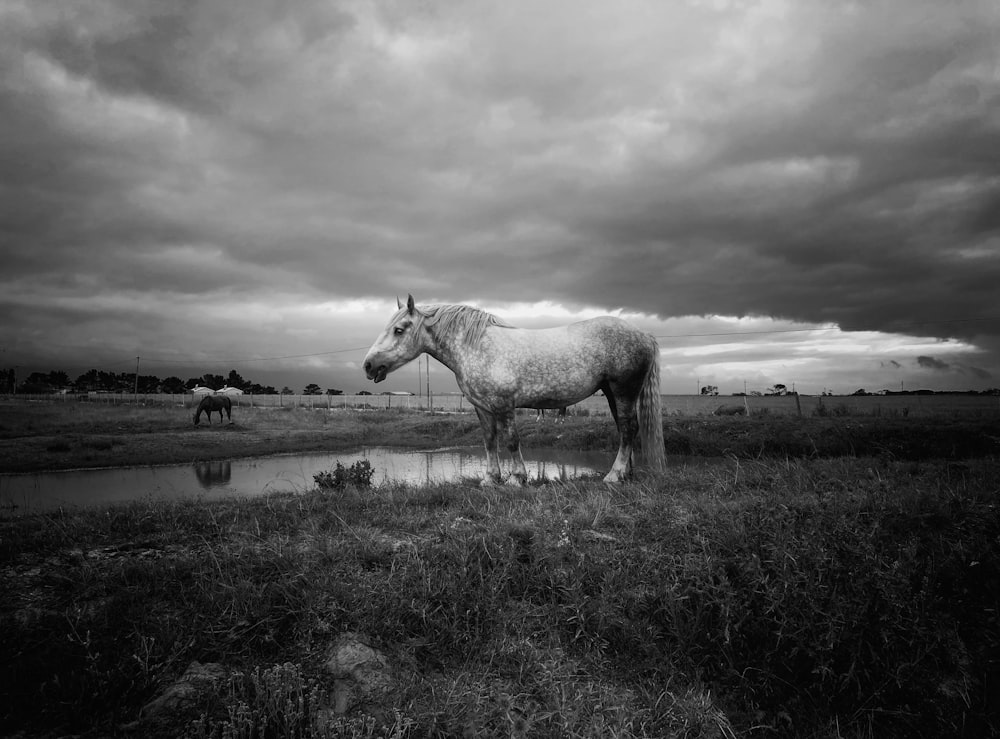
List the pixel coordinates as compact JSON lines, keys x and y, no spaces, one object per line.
{"x":430,"y":400}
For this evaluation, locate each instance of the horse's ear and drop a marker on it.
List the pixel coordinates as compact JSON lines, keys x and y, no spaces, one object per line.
{"x":398,"y":304}
{"x":409,"y":304}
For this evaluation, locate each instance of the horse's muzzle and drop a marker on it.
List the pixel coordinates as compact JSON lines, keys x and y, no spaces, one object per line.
{"x":376,"y":373}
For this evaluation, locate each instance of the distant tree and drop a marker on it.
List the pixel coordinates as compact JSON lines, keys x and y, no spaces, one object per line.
{"x":36,"y":383}
{"x":286,"y":390}
{"x":860,"y":391}
{"x":235,"y":380}
{"x":88,"y":382}
{"x":710,"y":390}
{"x":258,"y":389}
{"x":213,"y":381}
{"x":59,"y":379}
{"x":778,"y":389}
{"x":127,"y":383}
{"x":312,"y":389}
{"x":173,"y":385}
{"x":149,"y":384}
{"x":334,"y":391}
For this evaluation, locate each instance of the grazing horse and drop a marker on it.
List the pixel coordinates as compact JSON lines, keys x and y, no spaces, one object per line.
{"x":560,"y":415}
{"x":500,"y":368}
{"x":212,"y":403}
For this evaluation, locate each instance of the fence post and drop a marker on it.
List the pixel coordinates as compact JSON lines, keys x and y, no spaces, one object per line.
{"x":798,"y":404}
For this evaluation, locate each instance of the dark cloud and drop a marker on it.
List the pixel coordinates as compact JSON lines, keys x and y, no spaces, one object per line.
{"x":677,"y":161}
{"x":980,"y":373}
{"x":932,"y":363}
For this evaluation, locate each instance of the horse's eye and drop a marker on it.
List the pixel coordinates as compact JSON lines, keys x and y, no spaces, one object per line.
{"x":399,"y":331}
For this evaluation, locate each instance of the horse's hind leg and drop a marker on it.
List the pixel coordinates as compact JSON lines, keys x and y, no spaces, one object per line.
{"x":624,"y":412}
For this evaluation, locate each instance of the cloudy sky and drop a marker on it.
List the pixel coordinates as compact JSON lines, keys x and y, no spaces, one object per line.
{"x":781,"y":191}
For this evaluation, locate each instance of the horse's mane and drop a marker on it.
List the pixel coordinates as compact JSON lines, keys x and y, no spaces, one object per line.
{"x":450,"y":320}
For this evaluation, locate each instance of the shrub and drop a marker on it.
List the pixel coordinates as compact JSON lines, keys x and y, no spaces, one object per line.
{"x":358,"y":474}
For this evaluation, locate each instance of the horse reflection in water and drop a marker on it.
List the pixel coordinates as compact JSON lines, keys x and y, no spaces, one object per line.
{"x":500,"y":368}
{"x":212,"y":403}
{"x":213,"y":474}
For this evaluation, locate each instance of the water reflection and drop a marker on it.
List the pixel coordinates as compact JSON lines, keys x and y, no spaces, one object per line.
{"x":213,"y":474}
{"x":29,"y":493}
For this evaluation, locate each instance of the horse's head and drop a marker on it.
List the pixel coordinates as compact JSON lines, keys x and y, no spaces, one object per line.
{"x":401,"y":340}
{"x":198,"y":409}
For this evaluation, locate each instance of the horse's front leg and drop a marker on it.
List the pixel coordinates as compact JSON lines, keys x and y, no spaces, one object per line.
{"x":508,"y":427}
{"x":488,"y":422}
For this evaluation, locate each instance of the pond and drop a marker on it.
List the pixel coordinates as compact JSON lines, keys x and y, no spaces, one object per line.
{"x":42,"y":491}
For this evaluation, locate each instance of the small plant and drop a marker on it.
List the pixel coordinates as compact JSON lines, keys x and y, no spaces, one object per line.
{"x":271,"y":702}
{"x":358,"y":475}
{"x":281,"y":702}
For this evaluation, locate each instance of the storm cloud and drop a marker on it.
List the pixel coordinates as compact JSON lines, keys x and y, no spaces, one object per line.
{"x":279,"y":172}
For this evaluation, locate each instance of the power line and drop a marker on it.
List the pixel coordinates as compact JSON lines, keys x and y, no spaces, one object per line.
{"x":255,"y":359}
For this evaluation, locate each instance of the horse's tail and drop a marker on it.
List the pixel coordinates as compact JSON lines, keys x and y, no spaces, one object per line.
{"x":651,"y":415}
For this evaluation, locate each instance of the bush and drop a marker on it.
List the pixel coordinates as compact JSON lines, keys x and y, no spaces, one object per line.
{"x":358,"y":475}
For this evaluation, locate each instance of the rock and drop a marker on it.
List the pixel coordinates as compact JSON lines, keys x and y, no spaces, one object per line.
{"x":361,"y":674}
{"x":181,"y":697}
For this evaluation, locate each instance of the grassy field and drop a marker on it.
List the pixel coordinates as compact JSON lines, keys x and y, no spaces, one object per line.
{"x":836,"y":578}
{"x":51,"y":436}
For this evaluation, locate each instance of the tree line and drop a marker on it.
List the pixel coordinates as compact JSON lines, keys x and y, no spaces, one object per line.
{"x":100,"y":381}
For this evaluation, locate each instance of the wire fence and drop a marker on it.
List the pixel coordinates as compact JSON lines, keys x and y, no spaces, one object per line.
{"x":898,"y":405}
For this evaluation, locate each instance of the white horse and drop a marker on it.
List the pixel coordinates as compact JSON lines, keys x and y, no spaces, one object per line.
{"x":500,"y":368}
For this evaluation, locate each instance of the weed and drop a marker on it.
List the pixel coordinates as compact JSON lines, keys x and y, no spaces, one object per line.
{"x":358,"y":474}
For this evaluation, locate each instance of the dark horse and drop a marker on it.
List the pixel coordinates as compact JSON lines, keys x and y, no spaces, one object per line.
{"x":212,"y":403}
